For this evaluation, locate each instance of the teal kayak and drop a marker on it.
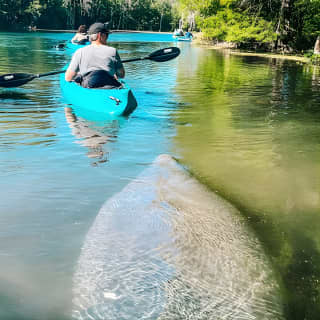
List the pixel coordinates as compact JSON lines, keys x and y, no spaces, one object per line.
{"x":114,"y":102}
{"x":182,"y":38}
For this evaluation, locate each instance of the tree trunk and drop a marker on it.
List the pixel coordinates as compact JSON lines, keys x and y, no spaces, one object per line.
{"x":191,"y":19}
{"x":121,"y":14}
{"x":283,"y":26}
{"x":317,"y":46}
{"x":160,"y":22}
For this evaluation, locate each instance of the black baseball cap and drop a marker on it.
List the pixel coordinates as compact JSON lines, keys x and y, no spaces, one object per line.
{"x":98,"y":27}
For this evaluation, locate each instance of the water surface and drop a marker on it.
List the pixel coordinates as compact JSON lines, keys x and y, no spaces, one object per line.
{"x":251,"y":132}
{"x":57,"y":168}
{"x":247,"y":127}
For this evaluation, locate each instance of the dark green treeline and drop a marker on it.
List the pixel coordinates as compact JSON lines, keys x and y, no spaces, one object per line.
{"x":286,"y":25}
{"x":157,"y":15}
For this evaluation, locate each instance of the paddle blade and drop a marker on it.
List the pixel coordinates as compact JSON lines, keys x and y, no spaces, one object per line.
{"x":12,"y":80}
{"x":165,"y":54}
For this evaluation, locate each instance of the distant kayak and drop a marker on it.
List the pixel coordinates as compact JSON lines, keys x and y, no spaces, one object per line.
{"x":114,"y":102}
{"x":182,"y":38}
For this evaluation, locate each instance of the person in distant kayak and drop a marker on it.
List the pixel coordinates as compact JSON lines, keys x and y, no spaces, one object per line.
{"x":81,"y":36}
{"x":96,"y":65}
{"x":178,"y":33}
{"x":188,"y":34}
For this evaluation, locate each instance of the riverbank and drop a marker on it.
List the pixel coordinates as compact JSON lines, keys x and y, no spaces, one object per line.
{"x":199,"y":41}
{"x":231,"y":48}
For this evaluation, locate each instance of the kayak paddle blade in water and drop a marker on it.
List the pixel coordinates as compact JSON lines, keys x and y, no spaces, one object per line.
{"x":165,"y":54}
{"x":12,"y":80}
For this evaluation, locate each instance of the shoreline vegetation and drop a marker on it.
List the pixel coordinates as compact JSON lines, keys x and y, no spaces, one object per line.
{"x":214,"y":45}
{"x":284,"y":28}
{"x":232,"y":49}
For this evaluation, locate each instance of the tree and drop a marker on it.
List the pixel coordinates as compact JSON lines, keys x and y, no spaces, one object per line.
{"x":316,"y":49}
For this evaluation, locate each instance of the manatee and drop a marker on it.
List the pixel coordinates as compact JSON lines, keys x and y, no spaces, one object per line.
{"x":166,"y":247}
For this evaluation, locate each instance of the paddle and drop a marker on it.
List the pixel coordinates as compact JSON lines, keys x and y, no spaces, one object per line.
{"x":12,"y":80}
{"x":161,"y":55}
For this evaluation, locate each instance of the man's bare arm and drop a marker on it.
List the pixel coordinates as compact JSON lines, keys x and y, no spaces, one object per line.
{"x":69,"y":75}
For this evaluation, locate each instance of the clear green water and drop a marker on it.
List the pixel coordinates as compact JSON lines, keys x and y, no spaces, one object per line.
{"x":251,"y":132}
{"x":247,"y":127}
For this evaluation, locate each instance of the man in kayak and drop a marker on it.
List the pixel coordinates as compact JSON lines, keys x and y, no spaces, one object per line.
{"x":96,"y":65}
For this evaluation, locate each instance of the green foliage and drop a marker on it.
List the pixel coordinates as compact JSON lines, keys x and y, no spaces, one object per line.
{"x":59,"y":14}
{"x":209,"y":7}
{"x":34,"y":10}
{"x":307,"y":22}
{"x":315,"y":59}
{"x":297,"y":22}
{"x":231,"y":26}
{"x":268,"y":10}
{"x":12,"y":13}
{"x":308,"y":54}
{"x":52,"y":14}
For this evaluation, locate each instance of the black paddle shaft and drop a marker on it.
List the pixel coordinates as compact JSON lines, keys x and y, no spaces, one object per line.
{"x":12,"y":80}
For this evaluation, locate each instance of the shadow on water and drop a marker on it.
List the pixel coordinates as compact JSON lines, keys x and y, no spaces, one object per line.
{"x":252,"y":134}
{"x":13,"y":95}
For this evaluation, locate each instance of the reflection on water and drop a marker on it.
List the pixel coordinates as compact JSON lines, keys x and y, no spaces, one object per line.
{"x":11,"y":96}
{"x":92,"y":136}
{"x":252,"y":134}
{"x":24,"y":117}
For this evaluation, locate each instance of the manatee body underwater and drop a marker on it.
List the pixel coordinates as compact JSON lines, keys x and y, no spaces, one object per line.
{"x":166,"y":248}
